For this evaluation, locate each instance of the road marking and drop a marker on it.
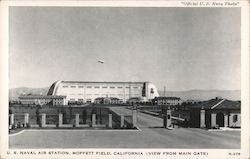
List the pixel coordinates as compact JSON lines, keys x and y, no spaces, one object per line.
{"x":135,"y":130}
{"x":138,"y":128}
{"x":20,"y":132}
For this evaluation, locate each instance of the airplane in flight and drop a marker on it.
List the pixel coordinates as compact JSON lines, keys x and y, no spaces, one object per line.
{"x":100,"y":61}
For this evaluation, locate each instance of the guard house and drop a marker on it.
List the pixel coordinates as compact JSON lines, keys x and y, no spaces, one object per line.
{"x":216,"y":113}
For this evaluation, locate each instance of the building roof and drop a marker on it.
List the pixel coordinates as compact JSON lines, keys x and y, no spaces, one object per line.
{"x":53,"y":88}
{"x":218,"y":104}
{"x":104,"y":82}
{"x":40,"y":97}
{"x":111,"y":98}
{"x":168,"y":98}
{"x":134,"y":98}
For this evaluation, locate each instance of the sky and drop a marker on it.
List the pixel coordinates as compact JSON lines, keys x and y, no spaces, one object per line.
{"x":179,"y":48}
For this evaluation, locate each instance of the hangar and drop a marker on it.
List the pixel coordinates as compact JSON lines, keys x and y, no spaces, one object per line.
{"x":87,"y":91}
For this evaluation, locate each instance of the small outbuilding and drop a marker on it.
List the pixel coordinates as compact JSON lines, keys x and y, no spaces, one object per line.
{"x":216,"y":113}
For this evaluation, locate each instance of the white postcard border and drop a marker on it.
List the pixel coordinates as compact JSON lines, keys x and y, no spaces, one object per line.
{"x":211,"y":153}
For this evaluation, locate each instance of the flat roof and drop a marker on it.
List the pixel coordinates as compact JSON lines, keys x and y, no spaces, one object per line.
{"x":40,"y":97}
{"x":168,"y":98}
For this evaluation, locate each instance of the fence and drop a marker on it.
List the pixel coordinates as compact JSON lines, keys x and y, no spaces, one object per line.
{"x":85,"y":117}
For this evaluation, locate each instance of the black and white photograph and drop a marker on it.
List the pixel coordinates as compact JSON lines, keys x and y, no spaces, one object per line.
{"x":125,"y":77}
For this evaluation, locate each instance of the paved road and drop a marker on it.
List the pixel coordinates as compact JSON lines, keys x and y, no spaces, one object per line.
{"x":150,"y":136}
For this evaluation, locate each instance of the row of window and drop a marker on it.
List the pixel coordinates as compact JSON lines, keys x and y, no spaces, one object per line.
{"x":82,"y":100}
{"x":80,"y":94}
{"x":119,"y":87}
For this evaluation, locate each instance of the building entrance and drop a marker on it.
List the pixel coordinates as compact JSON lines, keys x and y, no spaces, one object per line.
{"x":220,"y":119}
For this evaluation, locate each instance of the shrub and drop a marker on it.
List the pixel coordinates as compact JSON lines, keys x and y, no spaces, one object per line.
{"x":27,"y":125}
{"x":19,"y":125}
{"x":13,"y":127}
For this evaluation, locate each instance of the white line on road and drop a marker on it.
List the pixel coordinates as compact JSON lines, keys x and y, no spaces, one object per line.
{"x":20,"y":132}
{"x":135,"y":130}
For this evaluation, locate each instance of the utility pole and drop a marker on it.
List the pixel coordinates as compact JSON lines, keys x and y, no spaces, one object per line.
{"x":164,"y":91}
{"x":129,"y":90}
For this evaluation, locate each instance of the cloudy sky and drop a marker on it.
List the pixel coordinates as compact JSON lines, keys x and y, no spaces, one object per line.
{"x":180,"y":48}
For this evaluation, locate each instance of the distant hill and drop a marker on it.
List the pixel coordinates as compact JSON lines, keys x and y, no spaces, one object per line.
{"x":14,"y":93}
{"x":203,"y":94}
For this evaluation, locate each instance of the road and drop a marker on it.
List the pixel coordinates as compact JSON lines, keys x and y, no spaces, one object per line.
{"x":150,"y":135}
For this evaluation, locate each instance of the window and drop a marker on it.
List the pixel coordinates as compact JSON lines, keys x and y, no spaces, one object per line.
{"x":72,"y":86}
{"x":80,"y":87}
{"x":235,"y":118}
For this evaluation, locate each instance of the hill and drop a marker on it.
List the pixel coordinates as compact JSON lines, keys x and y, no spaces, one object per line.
{"x":203,"y":94}
{"x":14,"y":93}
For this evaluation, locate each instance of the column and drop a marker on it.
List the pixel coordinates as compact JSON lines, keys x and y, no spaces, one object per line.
{"x":77,"y":120}
{"x":43,"y":120}
{"x":164,"y":115}
{"x":225,"y":120}
{"x":110,"y":120}
{"x":11,"y":119}
{"x":169,"y":122}
{"x":231,"y":120}
{"x":134,"y":117}
{"x":202,"y":119}
{"x":213,"y":119}
{"x":26,"y":119}
{"x":122,"y":121}
{"x":60,"y":120}
{"x":239,"y":119}
{"x":93,"y":119}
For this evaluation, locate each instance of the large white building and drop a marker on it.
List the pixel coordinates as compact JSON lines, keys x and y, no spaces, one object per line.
{"x":82,"y":91}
